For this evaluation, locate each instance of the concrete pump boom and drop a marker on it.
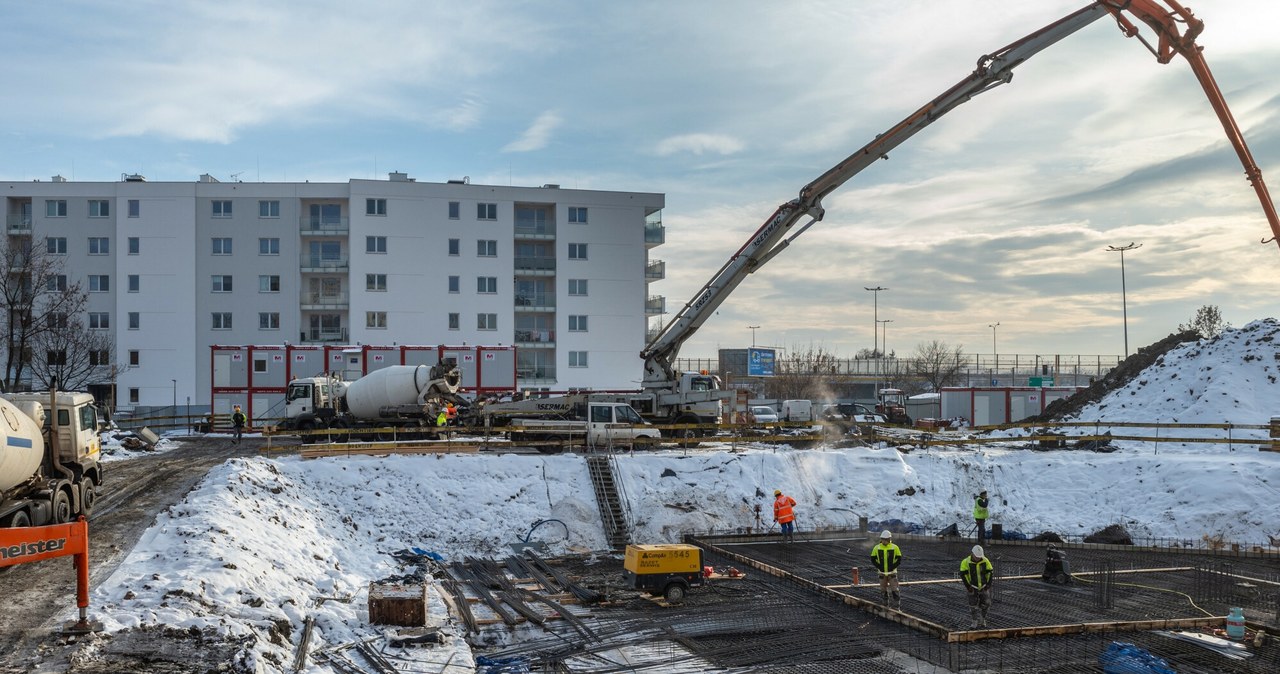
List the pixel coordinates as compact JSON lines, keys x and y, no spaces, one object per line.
{"x":993,"y":70}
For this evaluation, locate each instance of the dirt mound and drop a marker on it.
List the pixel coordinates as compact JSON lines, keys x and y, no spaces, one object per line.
{"x":1122,"y":374}
{"x":1112,"y":535}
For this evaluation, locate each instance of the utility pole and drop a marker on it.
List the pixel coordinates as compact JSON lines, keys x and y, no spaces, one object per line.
{"x":1124,"y":303}
{"x":753,"y":329}
{"x":884,"y":334}
{"x":875,"y":316}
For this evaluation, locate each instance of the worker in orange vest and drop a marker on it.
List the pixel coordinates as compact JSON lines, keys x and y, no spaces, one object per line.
{"x":784,"y":515}
{"x":450,"y":414}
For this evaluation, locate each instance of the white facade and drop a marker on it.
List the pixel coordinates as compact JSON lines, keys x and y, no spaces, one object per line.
{"x":561,"y":274}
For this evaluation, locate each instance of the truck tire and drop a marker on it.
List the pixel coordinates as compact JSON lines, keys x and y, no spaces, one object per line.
{"x":553,"y":445}
{"x":339,"y":425}
{"x":674,"y":592}
{"x":88,"y":496}
{"x":18,"y":519}
{"x":688,"y":436}
{"x":307,"y":426}
{"x":61,"y":507}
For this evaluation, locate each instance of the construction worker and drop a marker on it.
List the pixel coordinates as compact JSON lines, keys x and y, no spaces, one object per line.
{"x":784,"y":515}
{"x":977,"y":573}
{"x":442,"y":418}
{"x":451,"y":414}
{"x":237,"y":424}
{"x":980,"y":515}
{"x":886,"y":557}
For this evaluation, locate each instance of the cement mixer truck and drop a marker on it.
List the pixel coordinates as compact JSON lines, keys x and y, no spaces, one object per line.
{"x":391,"y":403}
{"x":48,"y":478}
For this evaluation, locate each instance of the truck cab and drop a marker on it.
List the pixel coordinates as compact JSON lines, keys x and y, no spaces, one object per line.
{"x":310,"y":399}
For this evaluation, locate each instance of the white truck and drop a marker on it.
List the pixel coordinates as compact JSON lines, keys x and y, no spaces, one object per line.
{"x":48,"y":477}
{"x":384,"y":404}
{"x":590,"y":424}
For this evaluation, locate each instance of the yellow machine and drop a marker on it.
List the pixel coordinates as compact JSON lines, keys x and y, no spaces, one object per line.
{"x":666,"y":570}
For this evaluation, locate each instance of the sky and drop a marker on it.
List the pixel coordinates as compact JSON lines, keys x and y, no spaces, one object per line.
{"x":1001,"y":212}
{"x":286,"y":530}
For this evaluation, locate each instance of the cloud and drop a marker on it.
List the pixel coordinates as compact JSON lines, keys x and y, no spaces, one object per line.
{"x":537,"y":135}
{"x":699,"y":143}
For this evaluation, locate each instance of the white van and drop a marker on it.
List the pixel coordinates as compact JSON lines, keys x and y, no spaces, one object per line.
{"x":797,"y":410}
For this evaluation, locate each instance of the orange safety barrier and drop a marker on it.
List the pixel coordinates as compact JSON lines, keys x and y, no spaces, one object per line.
{"x":33,"y":544}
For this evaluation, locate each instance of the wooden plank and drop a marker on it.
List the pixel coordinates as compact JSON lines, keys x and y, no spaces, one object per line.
{"x":1036,"y":576}
{"x":1086,"y":628}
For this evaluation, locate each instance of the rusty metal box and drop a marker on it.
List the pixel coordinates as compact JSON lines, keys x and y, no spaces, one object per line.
{"x":396,"y":604}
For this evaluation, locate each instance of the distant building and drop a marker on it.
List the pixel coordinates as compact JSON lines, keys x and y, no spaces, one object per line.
{"x":180,"y":266}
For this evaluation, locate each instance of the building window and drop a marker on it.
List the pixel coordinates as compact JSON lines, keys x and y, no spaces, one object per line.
{"x":57,"y":320}
{"x":269,"y":246}
{"x":486,"y":321}
{"x":577,"y":251}
{"x":487,"y":248}
{"x":454,"y":283}
{"x":135,"y":357}
{"x":268,"y":283}
{"x":56,"y":283}
{"x":135,"y":320}
{"x":135,"y":283}
{"x":375,"y":282}
{"x":259,"y":365}
{"x":375,"y":319}
{"x":57,"y":357}
{"x":99,"y":283}
{"x":221,"y":245}
{"x":577,"y":359}
{"x":577,"y":323}
{"x":454,"y":247}
{"x":56,"y":245}
{"x":578,"y":286}
{"x":486,"y":211}
{"x":375,"y":244}
{"x":135,"y":208}
{"x":99,"y":245}
{"x":453,"y":321}
{"x":99,"y":208}
{"x":222,"y":320}
{"x":221,"y":283}
{"x":99,"y":320}
{"x":375,"y":206}
{"x":133,"y":396}
{"x":455,"y":209}
{"x":268,"y":320}
{"x":134,"y":245}
{"x":268,"y":209}
{"x":221,"y":209}
{"x":55,"y":208}
{"x":487,"y":285}
{"x":99,"y":357}
{"x":578,"y":215}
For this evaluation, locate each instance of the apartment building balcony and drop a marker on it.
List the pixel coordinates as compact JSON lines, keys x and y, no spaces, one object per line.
{"x":656,"y":305}
{"x":322,"y":301}
{"x":540,"y":231}
{"x":654,"y":233}
{"x":536,"y":266}
{"x":534,"y":376}
{"x":316,"y":264}
{"x":655,"y":270}
{"x":18,"y":224}
{"x":535,"y":301}
{"x":323,"y":226}
{"x":545,"y":339}
{"x":325,"y":336}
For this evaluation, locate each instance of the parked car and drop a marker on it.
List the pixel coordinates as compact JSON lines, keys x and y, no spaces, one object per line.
{"x":763,"y":414}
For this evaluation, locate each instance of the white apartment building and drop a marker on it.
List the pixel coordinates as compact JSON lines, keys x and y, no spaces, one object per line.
{"x":562,"y":274}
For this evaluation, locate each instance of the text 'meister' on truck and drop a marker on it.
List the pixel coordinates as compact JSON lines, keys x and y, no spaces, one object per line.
{"x":48,"y":477}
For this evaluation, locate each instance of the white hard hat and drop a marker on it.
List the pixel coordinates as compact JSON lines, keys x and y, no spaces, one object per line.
{"x":886,"y":534}
{"x":977,"y":551}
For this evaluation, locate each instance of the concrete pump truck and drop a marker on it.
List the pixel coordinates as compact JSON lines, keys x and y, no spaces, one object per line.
{"x":670,"y":396}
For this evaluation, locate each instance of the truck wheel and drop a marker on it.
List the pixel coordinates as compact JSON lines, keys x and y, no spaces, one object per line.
{"x":18,"y":519}
{"x":61,"y":507}
{"x":342,"y":435}
{"x":88,"y":497}
{"x":553,"y":445}
{"x":674,"y":593}
{"x":306,"y":427}
{"x":688,"y":436}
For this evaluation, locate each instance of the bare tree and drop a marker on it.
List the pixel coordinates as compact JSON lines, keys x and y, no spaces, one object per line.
{"x":938,"y":363}
{"x":1207,"y":321}
{"x":803,"y":374}
{"x":73,"y":357}
{"x":38,"y":298}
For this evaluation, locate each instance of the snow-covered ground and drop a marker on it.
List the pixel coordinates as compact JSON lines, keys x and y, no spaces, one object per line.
{"x":263,"y":542}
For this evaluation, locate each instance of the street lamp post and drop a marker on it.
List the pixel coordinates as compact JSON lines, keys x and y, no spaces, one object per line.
{"x":875,"y":316}
{"x":1124,"y":303}
{"x":884,"y":334}
{"x":753,"y":329}
{"x":175,"y":395}
{"x":994,"y":353}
